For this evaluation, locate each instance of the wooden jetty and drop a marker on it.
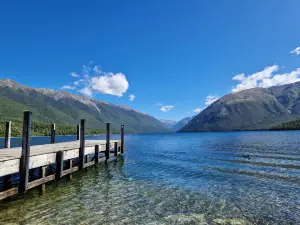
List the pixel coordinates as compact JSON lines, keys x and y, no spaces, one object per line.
{"x":23,"y":159}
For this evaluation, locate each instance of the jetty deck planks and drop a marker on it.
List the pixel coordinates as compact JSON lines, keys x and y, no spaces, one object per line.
{"x":15,"y":153}
{"x":20,"y":160}
{"x":42,"y":155}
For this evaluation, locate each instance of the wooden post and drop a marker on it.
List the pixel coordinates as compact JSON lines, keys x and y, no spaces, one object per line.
{"x":107,"y":141}
{"x":43,"y":175}
{"x":7,"y":183}
{"x":59,"y":165}
{"x":82,"y":144}
{"x":96,"y":154}
{"x":52,"y":133}
{"x":86,"y":161}
{"x":7,"y":134}
{"x":78,"y":132}
{"x":122,"y":139}
{"x":24,"y":160}
{"x":70,"y":165}
{"x":116,"y":148}
{"x":7,"y":145}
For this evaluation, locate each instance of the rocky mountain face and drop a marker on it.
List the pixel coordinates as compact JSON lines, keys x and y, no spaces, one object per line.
{"x":253,"y":109}
{"x":182,"y":123}
{"x":51,"y":106}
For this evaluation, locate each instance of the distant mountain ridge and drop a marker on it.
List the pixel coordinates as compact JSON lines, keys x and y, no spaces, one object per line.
{"x":179,"y":125}
{"x":169,"y":123}
{"x":52,"y":106}
{"x":252,"y":109}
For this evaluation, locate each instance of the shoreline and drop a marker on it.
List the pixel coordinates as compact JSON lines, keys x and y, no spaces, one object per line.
{"x":59,"y":136}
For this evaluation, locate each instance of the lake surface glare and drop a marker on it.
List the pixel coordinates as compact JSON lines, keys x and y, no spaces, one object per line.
{"x":182,"y":178}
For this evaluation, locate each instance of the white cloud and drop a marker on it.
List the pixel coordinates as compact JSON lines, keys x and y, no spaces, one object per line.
{"x":239,"y":77}
{"x":93,"y":80}
{"x":86,"y":91}
{"x":73,"y":74}
{"x":211,"y":99}
{"x":296,"y":51}
{"x":166,"y":108}
{"x":198,"y":110}
{"x":159,"y":104}
{"x":76,"y":83}
{"x":280,"y":79}
{"x":68,"y":87}
{"x":97,"y":69}
{"x":131,"y":97}
{"x":265,"y":78}
{"x":113,"y":84}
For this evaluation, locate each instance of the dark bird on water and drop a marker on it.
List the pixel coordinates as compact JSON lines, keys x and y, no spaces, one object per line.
{"x":246,"y":156}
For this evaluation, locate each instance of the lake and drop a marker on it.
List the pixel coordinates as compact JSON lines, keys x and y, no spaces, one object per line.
{"x":186,"y":178}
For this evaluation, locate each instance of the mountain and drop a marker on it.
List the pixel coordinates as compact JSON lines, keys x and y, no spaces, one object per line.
{"x":182,"y":123}
{"x":169,"y":123}
{"x":253,"y":109}
{"x":51,"y":106}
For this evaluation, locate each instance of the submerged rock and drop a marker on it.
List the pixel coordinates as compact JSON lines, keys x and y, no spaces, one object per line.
{"x":233,"y":221}
{"x":198,"y":219}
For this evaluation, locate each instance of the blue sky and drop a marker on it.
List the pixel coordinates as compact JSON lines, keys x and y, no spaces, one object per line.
{"x":172,"y":55}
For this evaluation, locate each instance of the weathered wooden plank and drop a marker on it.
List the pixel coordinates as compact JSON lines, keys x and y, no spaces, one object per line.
{"x":42,"y":160}
{"x":8,"y":193}
{"x":38,"y":182}
{"x":7,"y":134}
{"x":9,"y":167}
{"x":71,"y":170}
{"x":71,"y":154}
{"x":6,"y":154}
{"x":24,"y":161}
{"x":82,"y":144}
{"x":91,"y":163}
{"x":53,"y":131}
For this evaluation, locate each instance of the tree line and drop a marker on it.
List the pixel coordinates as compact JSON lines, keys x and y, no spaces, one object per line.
{"x":43,"y":129}
{"x":292,"y":125}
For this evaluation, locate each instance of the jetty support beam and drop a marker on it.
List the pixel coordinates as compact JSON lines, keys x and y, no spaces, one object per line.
{"x":7,"y":134}
{"x":7,"y":145}
{"x":96,"y":154}
{"x":24,"y":160}
{"x":53,"y":131}
{"x":107,"y":141}
{"x":43,"y":175}
{"x":82,"y":145}
{"x":59,"y":165}
{"x":116,"y":148}
{"x":78,"y":132}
